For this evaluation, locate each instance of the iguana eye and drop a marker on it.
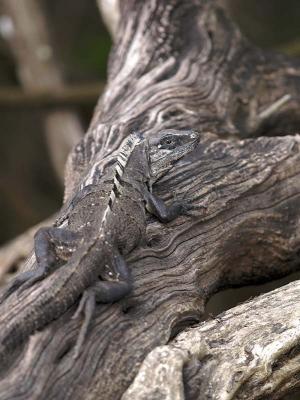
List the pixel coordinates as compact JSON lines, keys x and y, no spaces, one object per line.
{"x":167,"y":143}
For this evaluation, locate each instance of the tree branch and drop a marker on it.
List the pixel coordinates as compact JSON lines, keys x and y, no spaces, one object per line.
{"x":249,"y":352}
{"x":66,"y":96}
{"x":110,"y":11}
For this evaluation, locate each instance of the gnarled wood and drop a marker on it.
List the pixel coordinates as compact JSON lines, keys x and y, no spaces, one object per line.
{"x":178,"y":65}
{"x":249,"y":352}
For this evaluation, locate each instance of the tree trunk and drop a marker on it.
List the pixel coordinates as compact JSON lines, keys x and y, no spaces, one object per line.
{"x":183,"y":64}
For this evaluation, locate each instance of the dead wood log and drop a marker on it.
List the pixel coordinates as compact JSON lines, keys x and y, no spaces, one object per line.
{"x":181,"y":65}
{"x":248,"y":352}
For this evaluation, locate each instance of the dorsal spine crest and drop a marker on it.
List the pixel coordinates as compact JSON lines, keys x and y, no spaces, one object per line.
{"x":122,"y":160}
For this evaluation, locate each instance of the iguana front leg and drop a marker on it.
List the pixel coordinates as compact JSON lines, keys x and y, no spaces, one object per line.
{"x":106,"y":291}
{"x":51,"y":245}
{"x":164,"y":213}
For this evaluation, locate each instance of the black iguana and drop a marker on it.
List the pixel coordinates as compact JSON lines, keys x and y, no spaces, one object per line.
{"x":105,"y":223}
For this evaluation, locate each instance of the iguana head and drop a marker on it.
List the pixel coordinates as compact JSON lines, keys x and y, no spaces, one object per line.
{"x":168,"y":146}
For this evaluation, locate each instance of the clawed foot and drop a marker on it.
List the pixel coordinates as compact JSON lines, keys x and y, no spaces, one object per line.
{"x":166,"y":213}
{"x":183,"y":206}
{"x":34,"y":277}
{"x":186,"y":206}
{"x":102,"y":291}
{"x":21,"y":282}
{"x":86,"y":307}
{"x":46,"y":243}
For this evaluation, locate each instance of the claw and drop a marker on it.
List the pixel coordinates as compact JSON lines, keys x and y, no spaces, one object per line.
{"x":86,"y":305}
{"x":39,"y":275}
{"x":21,"y":282}
{"x":81,"y":306}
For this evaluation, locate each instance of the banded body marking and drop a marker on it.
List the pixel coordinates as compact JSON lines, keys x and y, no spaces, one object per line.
{"x":124,"y":155}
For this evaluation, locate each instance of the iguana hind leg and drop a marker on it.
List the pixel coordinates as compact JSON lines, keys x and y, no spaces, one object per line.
{"x":51,"y":245}
{"x":107,"y":291}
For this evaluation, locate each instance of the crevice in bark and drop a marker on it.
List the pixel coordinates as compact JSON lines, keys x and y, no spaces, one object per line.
{"x":229,"y":298}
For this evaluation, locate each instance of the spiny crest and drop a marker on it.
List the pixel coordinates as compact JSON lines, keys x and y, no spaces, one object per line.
{"x":126,"y":150}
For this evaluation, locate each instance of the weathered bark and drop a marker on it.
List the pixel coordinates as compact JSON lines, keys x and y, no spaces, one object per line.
{"x":249,"y":352}
{"x":181,"y":65}
{"x":110,"y":12}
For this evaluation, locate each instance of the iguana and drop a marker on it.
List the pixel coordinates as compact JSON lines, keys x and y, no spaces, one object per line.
{"x":105,"y":223}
